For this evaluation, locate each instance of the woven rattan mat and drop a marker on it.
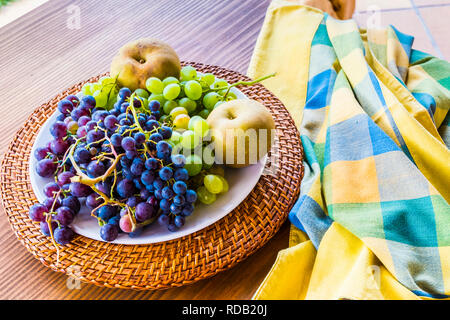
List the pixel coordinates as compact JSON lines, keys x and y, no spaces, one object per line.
{"x":202,"y":254}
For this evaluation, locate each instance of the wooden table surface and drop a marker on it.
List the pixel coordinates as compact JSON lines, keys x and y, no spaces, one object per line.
{"x":41,"y":54}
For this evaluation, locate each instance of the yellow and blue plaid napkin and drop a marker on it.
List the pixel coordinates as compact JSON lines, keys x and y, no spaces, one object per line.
{"x":374,"y":124}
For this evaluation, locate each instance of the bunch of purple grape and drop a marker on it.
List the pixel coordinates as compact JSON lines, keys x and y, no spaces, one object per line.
{"x":119,"y":162}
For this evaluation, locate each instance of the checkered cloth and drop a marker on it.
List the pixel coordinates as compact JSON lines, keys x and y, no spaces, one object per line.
{"x":375,"y":131}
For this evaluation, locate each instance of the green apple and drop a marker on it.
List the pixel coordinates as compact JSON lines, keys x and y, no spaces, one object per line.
{"x":242,"y":131}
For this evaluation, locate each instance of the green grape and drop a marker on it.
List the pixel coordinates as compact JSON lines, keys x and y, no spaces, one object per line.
{"x":192,"y":121}
{"x":87,"y":89}
{"x":208,"y":157}
{"x":219,"y":83}
{"x":169,"y":106}
{"x":225,"y":184}
{"x":157,"y":96}
{"x":100,"y":98}
{"x":181,"y":121}
{"x":188,"y":104}
{"x":210,"y":99}
{"x":205,"y":196}
{"x":170,"y":80}
{"x":106,"y":81}
{"x":177,"y":111}
{"x":209,"y":78}
{"x":154,"y":85}
{"x":193,"y":164}
{"x":188,"y":73}
{"x":193,"y":90}
{"x":142,"y":93}
{"x":176,"y":137}
{"x":201,"y":127}
{"x":190,"y":140}
{"x":218,"y":104}
{"x":171,"y":91}
{"x":145,"y":102}
{"x":230,"y":96}
{"x":204,"y":113}
{"x":213,"y":183}
{"x":96,"y":86}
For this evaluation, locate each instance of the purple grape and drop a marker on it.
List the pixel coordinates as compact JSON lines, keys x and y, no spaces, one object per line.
{"x":93,"y":201}
{"x":147,"y":177}
{"x":100,"y":115}
{"x":175,"y":209}
{"x":165,"y":173}
{"x":179,"y":200}
{"x":89,"y":102}
{"x":59,"y":146}
{"x":129,"y":144}
{"x":78,"y":112}
{"x":165,"y":131}
{"x":167,"y":192}
{"x":139,"y":137}
{"x":137,"y":167}
{"x":178,"y":160}
{"x":164,"y":220}
{"x":124,"y":93}
{"x":74,"y":99}
{"x":136,"y":233}
{"x":58,"y":129}
{"x":179,"y":187}
{"x":125,"y":188}
{"x":51,"y":188}
{"x":187,"y":209}
{"x":91,"y":125}
{"x":163,"y":146}
{"x":116,"y":140}
{"x":45,"y":229}
{"x":144,"y":211}
{"x":95,"y":169}
{"x":107,"y":212}
{"x":41,"y":152}
{"x":133,"y":201}
{"x":71,"y":202}
{"x":80,"y":190}
{"x":64,"y":215}
{"x":109,"y":232}
{"x":45,"y":168}
{"x":191,"y":196}
{"x":164,"y":204}
{"x":145,"y":194}
{"x":153,"y":201}
{"x":156,"y":137}
{"x":82,"y":121}
{"x":154,"y":105}
{"x":81,"y":132}
{"x":51,"y":202}
{"x":64,"y":178}
{"x":152,"y":164}
{"x":81,"y":155}
{"x":181,"y":175}
{"x":63,"y":235}
{"x":151,"y":125}
{"x":111,"y":122}
{"x":172,"y":227}
{"x":94,"y":135}
{"x":37,"y":212}
{"x":65,"y":106}
{"x":179,"y":221}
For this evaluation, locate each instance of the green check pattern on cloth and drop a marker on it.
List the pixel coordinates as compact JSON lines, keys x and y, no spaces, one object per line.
{"x":375,"y":131}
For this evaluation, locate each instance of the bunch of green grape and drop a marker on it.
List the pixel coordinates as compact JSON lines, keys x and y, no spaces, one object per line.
{"x":194,"y":94}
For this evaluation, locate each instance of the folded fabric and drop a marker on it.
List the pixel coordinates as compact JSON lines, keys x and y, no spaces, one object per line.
{"x":374,"y":123}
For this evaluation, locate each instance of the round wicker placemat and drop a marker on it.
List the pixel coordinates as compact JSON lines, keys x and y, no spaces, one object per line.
{"x":202,"y":254}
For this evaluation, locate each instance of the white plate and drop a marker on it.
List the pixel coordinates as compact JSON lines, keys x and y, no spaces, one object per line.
{"x":241,"y":183}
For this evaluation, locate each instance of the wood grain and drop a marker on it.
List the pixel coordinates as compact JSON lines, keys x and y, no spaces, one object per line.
{"x":41,"y":56}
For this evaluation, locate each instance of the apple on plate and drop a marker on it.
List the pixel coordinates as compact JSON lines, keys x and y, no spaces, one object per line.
{"x":139,"y":60}
{"x":243,"y":131}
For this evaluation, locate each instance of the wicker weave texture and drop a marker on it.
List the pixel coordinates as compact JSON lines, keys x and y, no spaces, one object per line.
{"x":197,"y":256}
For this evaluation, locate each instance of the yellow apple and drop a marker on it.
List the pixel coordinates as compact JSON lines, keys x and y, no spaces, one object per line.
{"x":139,"y":60}
{"x":242,"y":131}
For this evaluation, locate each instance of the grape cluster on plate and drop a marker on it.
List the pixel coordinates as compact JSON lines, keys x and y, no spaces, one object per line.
{"x":131,"y":157}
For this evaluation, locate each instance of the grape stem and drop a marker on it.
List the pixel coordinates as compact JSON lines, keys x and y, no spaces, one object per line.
{"x":243,"y":83}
